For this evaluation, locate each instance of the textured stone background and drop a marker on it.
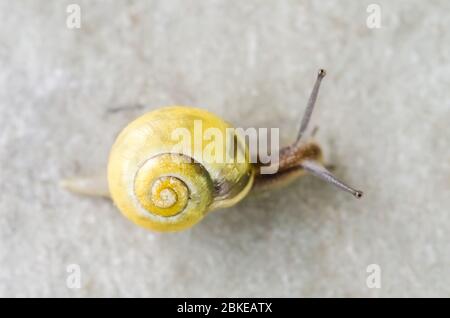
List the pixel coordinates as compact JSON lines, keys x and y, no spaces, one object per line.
{"x":384,"y":117}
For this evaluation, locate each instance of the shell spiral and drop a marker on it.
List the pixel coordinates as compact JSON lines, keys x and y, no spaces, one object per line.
{"x":164,"y":187}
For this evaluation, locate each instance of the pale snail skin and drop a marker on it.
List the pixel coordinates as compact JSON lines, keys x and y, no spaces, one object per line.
{"x":164,"y":190}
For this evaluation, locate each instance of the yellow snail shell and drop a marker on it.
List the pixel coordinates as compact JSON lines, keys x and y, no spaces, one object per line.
{"x":166,"y":191}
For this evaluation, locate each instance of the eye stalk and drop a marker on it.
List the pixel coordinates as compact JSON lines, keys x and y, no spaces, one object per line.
{"x":310,"y":106}
{"x":304,"y":157}
{"x":321,"y":172}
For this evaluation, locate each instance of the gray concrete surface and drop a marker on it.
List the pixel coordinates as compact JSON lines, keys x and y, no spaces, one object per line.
{"x":383,"y":112}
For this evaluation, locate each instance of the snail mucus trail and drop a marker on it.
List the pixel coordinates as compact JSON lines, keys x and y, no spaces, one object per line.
{"x":163,"y":192}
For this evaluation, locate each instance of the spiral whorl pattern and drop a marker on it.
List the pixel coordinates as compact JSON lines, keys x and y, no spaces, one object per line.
{"x":164,"y":196}
{"x":168,"y":191}
{"x":170,"y":184}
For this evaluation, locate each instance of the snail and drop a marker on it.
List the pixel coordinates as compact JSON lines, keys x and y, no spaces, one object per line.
{"x":162,"y":186}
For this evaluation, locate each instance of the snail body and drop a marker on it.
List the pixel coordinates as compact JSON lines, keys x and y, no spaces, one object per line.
{"x":166,"y":185}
